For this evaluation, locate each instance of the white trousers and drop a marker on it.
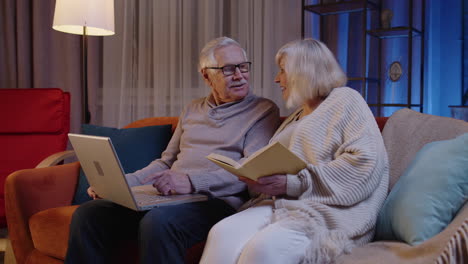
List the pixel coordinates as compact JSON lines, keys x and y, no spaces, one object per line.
{"x":249,"y":237}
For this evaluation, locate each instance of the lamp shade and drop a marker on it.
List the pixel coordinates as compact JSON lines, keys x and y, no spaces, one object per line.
{"x":71,"y":16}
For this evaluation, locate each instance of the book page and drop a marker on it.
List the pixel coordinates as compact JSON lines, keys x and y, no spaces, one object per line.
{"x":258,"y":152}
{"x":226,"y":160}
{"x":276,"y":159}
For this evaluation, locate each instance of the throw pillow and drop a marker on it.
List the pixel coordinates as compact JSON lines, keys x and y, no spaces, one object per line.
{"x":429,"y":193}
{"x":136,"y":148}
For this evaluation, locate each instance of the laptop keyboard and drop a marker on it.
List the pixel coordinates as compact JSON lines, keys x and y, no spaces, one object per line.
{"x":145,"y":196}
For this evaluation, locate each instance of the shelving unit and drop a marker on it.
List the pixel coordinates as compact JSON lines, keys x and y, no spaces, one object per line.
{"x":464,"y":90}
{"x":371,"y":50}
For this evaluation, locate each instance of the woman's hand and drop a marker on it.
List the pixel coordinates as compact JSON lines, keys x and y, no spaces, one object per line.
{"x":271,"y":185}
{"x":92,"y":193}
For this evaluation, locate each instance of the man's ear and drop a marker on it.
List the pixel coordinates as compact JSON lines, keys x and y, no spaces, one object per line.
{"x":206,"y":77}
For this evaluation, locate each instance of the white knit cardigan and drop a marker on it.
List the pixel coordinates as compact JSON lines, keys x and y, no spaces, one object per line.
{"x":346,"y":179}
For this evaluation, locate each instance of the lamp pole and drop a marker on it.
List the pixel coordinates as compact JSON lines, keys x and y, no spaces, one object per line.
{"x":86,"y":115}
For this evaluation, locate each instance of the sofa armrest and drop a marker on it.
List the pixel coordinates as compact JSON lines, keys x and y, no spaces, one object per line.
{"x":452,"y":243}
{"x":56,"y":158}
{"x":32,"y":190}
{"x":441,"y":248}
{"x":449,"y":246}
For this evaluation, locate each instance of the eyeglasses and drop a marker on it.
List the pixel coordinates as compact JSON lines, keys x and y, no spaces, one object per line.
{"x":231,"y":69}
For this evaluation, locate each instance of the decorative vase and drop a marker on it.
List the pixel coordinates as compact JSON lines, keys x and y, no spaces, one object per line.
{"x":386,"y":18}
{"x":459,"y":111}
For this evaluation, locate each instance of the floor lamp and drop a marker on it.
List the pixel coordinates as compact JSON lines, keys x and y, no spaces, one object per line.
{"x":86,"y":18}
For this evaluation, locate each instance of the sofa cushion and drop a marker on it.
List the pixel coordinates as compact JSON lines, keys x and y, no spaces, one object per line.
{"x":428,"y":195}
{"x":49,"y":230}
{"x":136,"y":148}
{"x":407,"y":131}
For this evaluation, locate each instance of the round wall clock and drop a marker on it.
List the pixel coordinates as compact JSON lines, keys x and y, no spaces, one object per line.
{"x":395,"y":71}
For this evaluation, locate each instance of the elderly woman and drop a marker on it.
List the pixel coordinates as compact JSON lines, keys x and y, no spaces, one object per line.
{"x":330,"y":206}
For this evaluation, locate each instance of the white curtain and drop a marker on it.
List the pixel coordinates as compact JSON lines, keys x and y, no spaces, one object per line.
{"x":150,"y":65}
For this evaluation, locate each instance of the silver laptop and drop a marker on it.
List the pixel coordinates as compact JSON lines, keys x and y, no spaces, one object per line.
{"x":104,"y":172}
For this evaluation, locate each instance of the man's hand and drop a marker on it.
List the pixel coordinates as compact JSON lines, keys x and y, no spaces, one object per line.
{"x":170,"y":181}
{"x":92,"y":193}
{"x":271,"y":185}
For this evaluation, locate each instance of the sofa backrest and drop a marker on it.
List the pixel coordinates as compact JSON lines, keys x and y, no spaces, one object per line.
{"x":407,"y":131}
{"x":155,"y":121}
{"x":404,"y":134}
{"x":173,"y":120}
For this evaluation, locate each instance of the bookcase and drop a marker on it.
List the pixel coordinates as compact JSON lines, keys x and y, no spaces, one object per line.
{"x":379,"y":44}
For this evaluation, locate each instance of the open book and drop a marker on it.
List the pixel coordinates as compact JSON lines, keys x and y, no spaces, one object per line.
{"x":271,"y":159}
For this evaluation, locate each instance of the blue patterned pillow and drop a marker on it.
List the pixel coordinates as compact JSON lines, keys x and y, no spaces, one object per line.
{"x":136,"y":148}
{"x":429,"y":193}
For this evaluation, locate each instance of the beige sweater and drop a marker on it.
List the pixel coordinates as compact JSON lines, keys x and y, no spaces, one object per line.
{"x":346,"y":180}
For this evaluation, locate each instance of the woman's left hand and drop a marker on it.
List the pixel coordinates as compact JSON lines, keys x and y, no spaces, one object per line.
{"x":271,"y":185}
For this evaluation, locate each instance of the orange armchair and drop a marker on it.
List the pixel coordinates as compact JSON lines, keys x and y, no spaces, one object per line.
{"x":39,"y":210}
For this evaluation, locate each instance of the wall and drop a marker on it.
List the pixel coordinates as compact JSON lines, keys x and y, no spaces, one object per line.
{"x":443,"y":79}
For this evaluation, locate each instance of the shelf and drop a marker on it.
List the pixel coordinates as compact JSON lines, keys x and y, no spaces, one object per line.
{"x":340,"y":7}
{"x":394,"y":32}
{"x":363,"y":79}
{"x":397,"y":105}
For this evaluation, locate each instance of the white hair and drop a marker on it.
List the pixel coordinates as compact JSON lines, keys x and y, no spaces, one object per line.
{"x":207,"y":58}
{"x":311,"y":69}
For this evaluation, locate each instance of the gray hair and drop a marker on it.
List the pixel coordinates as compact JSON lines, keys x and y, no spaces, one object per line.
{"x":312,"y":70}
{"x":207,"y":58}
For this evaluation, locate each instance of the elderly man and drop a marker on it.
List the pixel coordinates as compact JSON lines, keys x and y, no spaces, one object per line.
{"x":231,"y":121}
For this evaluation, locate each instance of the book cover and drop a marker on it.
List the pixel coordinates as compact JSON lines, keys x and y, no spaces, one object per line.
{"x":271,"y":159}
